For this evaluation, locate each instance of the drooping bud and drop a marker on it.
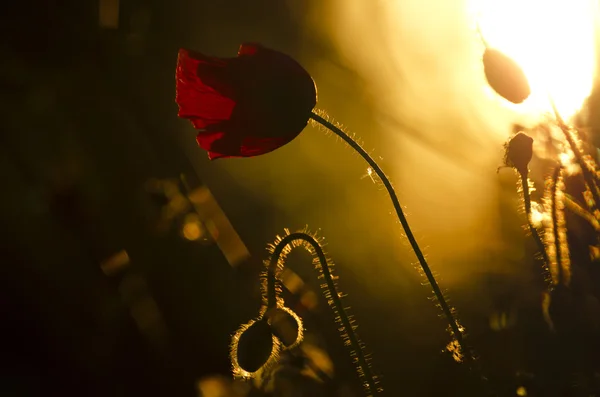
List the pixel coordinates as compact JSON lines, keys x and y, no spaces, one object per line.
{"x":286,"y":325}
{"x":253,"y":348}
{"x":505,"y":76}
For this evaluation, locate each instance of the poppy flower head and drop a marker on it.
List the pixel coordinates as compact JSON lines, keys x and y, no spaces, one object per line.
{"x":244,"y":106}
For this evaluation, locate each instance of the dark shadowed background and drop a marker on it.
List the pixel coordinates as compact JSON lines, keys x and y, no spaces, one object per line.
{"x":89,"y":124}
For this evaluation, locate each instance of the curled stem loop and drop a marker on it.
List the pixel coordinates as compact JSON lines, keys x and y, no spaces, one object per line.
{"x":273,"y":299}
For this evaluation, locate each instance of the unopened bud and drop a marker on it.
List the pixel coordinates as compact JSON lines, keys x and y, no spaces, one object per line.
{"x":519,"y":151}
{"x":505,"y":76}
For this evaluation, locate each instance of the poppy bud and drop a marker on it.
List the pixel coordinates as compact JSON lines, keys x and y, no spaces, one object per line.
{"x":286,"y":325}
{"x":519,"y":151}
{"x":254,"y":347}
{"x":505,"y":76}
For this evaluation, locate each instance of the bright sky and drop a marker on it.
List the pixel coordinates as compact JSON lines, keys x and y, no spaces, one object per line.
{"x":552,"y":40}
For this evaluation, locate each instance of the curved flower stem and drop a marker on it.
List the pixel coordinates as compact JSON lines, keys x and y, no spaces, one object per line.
{"x":404,"y":222}
{"x":272,"y":298}
{"x":532,"y":229}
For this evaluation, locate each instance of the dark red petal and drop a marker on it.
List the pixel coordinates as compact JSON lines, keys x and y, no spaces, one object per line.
{"x":206,"y":139}
{"x":198,"y":101}
{"x":222,"y":145}
{"x":249,"y":49}
{"x":275,"y":94}
{"x":253,"y":146}
{"x":215,"y":156}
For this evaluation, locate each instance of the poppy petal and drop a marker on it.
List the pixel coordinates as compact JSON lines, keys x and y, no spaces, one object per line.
{"x":206,"y":139}
{"x":221,"y":142}
{"x":244,"y":106}
{"x":249,"y":49}
{"x":223,"y":145}
{"x":198,"y":101}
{"x":253,"y":146}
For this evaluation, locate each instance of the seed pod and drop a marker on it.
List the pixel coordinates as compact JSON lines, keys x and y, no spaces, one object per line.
{"x":505,"y":76}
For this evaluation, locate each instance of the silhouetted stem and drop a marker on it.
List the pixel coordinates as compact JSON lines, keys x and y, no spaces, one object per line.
{"x":274,"y":263}
{"x":532,"y":229}
{"x":578,"y":210}
{"x":481,"y":36}
{"x":555,"y":230}
{"x":589,"y":177}
{"x":403,"y":221}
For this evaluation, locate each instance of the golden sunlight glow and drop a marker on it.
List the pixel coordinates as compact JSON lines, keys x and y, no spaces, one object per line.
{"x":521,"y":391}
{"x":552,"y":40}
{"x":538,"y":216}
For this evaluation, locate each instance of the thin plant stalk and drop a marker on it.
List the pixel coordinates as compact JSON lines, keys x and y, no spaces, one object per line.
{"x":555,"y":224}
{"x":274,"y":267}
{"x":481,"y":36}
{"x":532,"y":229}
{"x":578,"y":210}
{"x":589,"y":177}
{"x":404,"y":222}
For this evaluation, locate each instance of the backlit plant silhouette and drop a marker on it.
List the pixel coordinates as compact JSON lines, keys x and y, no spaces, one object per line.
{"x":262,"y":99}
{"x":258,"y":102}
{"x":274,"y":303}
{"x":565,"y":225}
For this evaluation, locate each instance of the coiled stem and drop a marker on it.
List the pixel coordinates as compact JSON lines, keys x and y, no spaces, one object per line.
{"x":275,"y":266}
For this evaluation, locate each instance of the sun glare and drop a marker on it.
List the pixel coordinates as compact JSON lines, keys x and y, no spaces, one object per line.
{"x":552,"y":40}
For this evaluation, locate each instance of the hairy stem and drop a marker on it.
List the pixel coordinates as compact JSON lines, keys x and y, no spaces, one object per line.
{"x":274,"y":267}
{"x":590,"y":177}
{"x":404,"y":222}
{"x":532,"y":229}
{"x":555,"y":225}
{"x":578,"y":210}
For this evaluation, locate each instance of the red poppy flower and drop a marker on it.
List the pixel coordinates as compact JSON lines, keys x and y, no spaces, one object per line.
{"x":244,"y":106}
